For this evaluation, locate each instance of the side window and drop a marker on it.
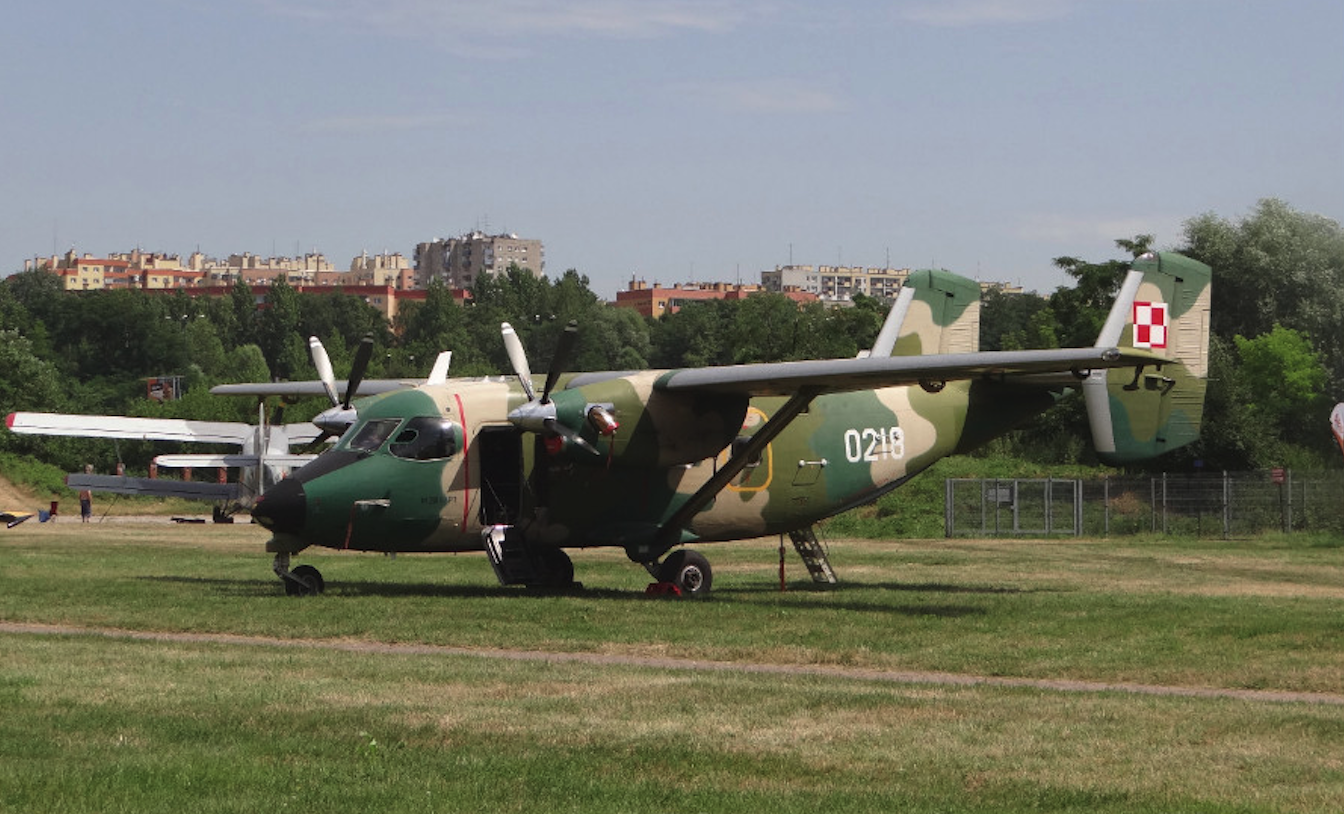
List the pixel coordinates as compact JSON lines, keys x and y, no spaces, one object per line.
{"x":427,"y":438}
{"x":372,"y":434}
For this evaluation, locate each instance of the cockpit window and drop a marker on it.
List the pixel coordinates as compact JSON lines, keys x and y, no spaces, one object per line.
{"x":427,"y":438}
{"x":372,"y":434}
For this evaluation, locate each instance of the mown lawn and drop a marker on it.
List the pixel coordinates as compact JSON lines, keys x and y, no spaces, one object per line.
{"x":112,"y":724}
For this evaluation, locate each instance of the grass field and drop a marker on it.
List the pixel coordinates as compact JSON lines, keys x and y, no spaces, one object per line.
{"x":317,"y":714}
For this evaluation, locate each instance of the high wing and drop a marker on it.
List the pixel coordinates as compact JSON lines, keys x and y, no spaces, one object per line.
{"x":314,"y":387}
{"x":839,"y":375}
{"x":129,"y":428}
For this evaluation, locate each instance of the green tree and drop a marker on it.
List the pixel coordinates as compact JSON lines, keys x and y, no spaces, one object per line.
{"x":437,"y":324}
{"x":1081,"y":310}
{"x":1276,"y":266}
{"x":694,"y":335}
{"x":1015,"y":321}
{"x":613,"y":339}
{"x":278,"y":332}
{"x":1287,"y":380}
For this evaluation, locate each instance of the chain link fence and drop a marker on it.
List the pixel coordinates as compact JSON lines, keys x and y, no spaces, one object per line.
{"x":1228,"y":504}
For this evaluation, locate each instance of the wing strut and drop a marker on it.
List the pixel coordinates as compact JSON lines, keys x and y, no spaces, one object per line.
{"x":670,"y":533}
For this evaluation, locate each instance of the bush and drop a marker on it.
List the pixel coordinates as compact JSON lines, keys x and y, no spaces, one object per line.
{"x":44,"y":479}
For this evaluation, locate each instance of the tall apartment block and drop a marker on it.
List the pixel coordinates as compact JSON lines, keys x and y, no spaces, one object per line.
{"x":459,"y":261}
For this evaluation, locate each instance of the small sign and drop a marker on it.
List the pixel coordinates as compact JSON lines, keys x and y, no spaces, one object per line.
{"x":1277,"y":475}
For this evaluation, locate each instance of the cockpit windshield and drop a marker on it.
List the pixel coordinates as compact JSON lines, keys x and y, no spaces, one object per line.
{"x":427,"y":438}
{"x":371,"y":435}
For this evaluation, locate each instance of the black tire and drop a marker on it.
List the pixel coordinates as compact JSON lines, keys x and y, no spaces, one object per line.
{"x":306,"y":581}
{"x":558,"y":569}
{"x":688,"y":570}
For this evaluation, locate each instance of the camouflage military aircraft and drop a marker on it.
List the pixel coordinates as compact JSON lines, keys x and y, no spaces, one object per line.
{"x":653,"y":460}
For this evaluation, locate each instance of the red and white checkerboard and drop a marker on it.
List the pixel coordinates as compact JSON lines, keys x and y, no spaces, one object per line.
{"x":1150,"y":325}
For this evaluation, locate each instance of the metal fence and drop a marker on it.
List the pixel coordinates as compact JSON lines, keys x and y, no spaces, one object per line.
{"x":1228,"y":504}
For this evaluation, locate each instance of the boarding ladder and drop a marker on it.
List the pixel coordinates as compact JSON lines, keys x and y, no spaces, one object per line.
{"x":813,"y":553}
{"x":508,"y":554}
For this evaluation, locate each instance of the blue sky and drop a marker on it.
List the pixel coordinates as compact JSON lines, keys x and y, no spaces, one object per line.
{"x":671,"y":140}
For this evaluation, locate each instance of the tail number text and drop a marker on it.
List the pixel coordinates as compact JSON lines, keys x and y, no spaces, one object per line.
{"x":872,"y":445}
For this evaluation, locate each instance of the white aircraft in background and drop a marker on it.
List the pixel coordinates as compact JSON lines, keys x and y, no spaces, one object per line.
{"x":265,"y":453}
{"x":1337,"y":424}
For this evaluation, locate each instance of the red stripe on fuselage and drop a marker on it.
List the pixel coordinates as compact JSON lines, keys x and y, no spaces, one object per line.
{"x":466,"y":463}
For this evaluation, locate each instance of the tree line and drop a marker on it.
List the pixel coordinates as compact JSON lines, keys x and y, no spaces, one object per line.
{"x":1276,"y":365}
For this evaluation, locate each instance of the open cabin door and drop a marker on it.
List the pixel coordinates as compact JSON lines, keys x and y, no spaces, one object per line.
{"x":501,"y":456}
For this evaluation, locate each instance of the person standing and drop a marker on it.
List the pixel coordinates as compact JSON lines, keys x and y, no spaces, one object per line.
{"x":86,"y":498}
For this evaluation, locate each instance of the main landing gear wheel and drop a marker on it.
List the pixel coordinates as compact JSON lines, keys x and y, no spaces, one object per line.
{"x":688,"y":570}
{"x":304,"y":581}
{"x":555,"y":569}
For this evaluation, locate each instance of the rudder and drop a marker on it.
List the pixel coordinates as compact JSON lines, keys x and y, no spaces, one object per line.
{"x":1139,"y":413}
{"x":936,"y":312}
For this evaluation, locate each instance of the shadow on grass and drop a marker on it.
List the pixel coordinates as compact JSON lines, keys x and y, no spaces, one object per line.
{"x":343,"y":588}
{"x":911,"y":587}
{"x":737,"y":595}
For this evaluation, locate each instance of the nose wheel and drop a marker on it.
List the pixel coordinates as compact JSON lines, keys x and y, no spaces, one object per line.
{"x":304,"y":580}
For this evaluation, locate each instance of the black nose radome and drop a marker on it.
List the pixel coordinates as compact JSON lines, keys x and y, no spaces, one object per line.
{"x":282,"y":508}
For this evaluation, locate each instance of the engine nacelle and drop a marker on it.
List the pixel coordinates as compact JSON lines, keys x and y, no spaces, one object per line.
{"x":655,"y":428}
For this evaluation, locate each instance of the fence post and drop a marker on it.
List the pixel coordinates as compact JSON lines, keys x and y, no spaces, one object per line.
{"x":981,"y":484}
{"x":1227,"y":506}
{"x":1106,"y":506}
{"x":1152,"y":504}
{"x":1078,"y":507}
{"x":1288,"y":476}
{"x":996,"y":507}
{"x":947,"y":509}
{"x":1049,"y":506}
{"x":1165,"y":530}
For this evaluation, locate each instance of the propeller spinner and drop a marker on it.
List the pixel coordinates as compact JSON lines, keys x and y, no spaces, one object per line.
{"x":539,"y":414}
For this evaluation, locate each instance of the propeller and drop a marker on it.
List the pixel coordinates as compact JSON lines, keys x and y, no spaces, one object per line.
{"x":513,"y":346}
{"x":341,"y":415}
{"x":538,"y":414}
{"x":318,"y":354}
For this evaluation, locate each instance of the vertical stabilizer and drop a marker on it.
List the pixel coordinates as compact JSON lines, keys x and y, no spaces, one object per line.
{"x":1162,"y":307}
{"x":937,"y":312}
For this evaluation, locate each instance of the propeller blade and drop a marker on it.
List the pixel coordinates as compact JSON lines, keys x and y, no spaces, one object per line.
{"x":514,"y":347}
{"x":564,"y":349}
{"x":315,"y":444}
{"x":362,"y":355}
{"x":556,"y":428}
{"x":322,"y":362}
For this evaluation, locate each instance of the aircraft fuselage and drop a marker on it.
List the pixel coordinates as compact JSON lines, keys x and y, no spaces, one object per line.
{"x":427,"y":470}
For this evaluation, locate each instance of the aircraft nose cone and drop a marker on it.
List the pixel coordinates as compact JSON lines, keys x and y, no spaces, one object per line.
{"x":282,"y":508}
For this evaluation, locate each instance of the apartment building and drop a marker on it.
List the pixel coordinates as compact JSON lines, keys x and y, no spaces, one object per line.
{"x":384,"y":269}
{"x":837,"y":283}
{"x":459,"y":261}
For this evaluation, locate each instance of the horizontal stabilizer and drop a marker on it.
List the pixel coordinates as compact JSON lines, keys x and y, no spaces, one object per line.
{"x":206,"y":460}
{"x":154,"y":487}
{"x":129,"y":428}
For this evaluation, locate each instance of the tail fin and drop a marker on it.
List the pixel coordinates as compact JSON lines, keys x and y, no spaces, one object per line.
{"x":936,"y":312}
{"x":1163,"y":307}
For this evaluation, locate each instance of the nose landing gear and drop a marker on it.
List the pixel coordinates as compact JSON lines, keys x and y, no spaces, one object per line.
{"x":304,"y":580}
